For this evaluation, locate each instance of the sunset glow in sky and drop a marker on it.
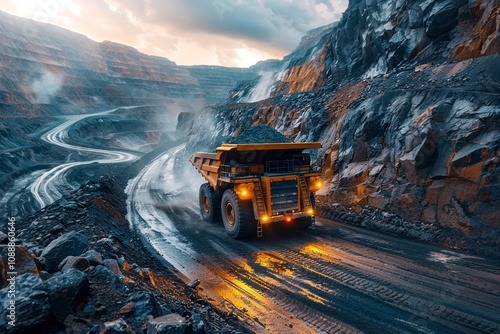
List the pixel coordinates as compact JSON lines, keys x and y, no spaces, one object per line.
{"x":189,"y":32}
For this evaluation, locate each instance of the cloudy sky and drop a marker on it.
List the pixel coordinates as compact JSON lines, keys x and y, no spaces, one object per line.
{"x":214,"y":32}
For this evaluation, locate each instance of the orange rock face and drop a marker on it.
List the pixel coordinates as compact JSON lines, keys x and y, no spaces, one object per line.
{"x":343,"y":98}
{"x":484,"y":37}
{"x":305,"y":77}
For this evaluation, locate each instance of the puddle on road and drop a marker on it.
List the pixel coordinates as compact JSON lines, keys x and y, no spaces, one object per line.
{"x":447,"y":257}
{"x":274,"y":264}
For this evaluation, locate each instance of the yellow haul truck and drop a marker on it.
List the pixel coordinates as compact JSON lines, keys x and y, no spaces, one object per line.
{"x":250,"y":185}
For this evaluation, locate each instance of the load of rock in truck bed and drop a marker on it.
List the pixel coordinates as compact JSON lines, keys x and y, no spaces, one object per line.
{"x":260,"y":134}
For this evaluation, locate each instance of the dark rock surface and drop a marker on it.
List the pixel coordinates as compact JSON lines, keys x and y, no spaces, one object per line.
{"x":260,"y":134}
{"x":167,"y":324}
{"x":116,"y":327}
{"x":66,"y":291}
{"x":32,"y":307}
{"x":374,"y":38}
{"x":74,"y":262}
{"x":25,"y":262}
{"x":4,"y":239}
{"x":144,"y":305}
{"x":94,"y":258}
{"x":69,"y":244}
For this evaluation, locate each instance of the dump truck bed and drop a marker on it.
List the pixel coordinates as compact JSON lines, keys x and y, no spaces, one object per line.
{"x":268,"y":146}
{"x":212,"y":165}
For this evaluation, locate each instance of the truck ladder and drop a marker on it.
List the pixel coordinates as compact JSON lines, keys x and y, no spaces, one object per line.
{"x":304,"y":191}
{"x":260,"y":205}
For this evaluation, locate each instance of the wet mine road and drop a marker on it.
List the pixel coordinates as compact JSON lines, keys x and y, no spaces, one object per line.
{"x":48,"y":187}
{"x":331,"y":279}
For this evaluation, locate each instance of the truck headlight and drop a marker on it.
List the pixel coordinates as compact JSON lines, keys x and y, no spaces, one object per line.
{"x":315,"y":183}
{"x":245,"y":190}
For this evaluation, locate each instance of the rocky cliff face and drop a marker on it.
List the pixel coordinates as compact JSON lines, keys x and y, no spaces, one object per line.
{"x":49,"y":70}
{"x":216,"y":81}
{"x":376,"y":37}
{"x":302,"y":70}
{"x":405,"y":99}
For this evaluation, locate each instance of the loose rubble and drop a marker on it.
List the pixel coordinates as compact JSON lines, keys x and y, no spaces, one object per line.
{"x":94,"y":276}
{"x":260,"y":134}
{"x":378,"y":220}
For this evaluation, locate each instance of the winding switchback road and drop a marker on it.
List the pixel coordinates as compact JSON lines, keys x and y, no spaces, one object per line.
{"x":48,"y":186}
{"x":331,"y":279}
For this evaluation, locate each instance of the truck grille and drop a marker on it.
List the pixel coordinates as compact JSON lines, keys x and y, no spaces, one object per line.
{"x":284,"y":197}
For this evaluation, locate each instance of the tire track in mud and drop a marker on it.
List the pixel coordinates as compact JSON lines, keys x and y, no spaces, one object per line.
{"x":287,"y":303}
{"x":455,"y":282}
{"x":390,"y":288}
{"x":390,"y":293}
{"x":325,"y":307}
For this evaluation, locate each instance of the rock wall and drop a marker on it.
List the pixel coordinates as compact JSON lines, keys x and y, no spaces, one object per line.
{"x":47,"y":70}
{"x":216,"y":81}
{"x":377,"y":37}
{"x":406,"y":125}
{"x":302,"y":70}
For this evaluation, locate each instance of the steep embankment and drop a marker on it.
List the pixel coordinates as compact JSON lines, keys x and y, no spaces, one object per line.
{"x":405,"y":100}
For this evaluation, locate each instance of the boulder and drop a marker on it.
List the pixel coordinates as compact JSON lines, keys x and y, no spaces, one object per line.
{"x":112,"y":265}
{"x":58,"y":228}
{"x":71,"y":243}
{"x":145,"y":305}
{"x":116,"y":327}
{"x":126,"y":310}
{"x":94,"y":258}
{"x":76,"y":262}
{"x":167,"y":324}
{"x":442,"y":19}
{"x":77,"y":325}
{"x":66,"y":290}
{"x":105,"y":247}
{"x":101,"y":275}
{"x":197,"y":325}
{"x":24,"y":263}
{"x":41,"y":264}
{"x":32,"y":308}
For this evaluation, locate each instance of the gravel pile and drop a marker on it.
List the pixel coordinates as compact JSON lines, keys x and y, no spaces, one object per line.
{"x":260,"y":134}
{"x":82,"y":269}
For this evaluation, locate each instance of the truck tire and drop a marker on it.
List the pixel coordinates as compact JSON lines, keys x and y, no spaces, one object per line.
{"x":209,"y":203}
{"x":237,"y":216}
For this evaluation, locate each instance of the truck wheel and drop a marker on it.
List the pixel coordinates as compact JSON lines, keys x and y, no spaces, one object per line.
{"x":237,"y":216}
{"x":209,"y":204}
